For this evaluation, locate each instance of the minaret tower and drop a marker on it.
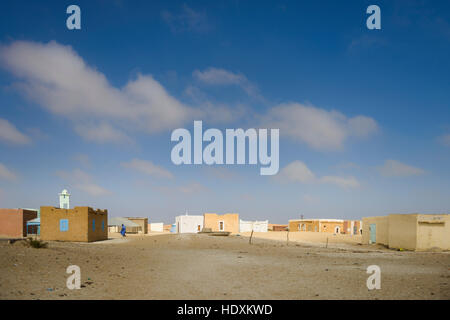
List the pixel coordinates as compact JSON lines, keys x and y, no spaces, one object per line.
{"x":64,"y":200}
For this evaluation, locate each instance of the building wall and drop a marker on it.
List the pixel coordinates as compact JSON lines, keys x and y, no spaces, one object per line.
{"x":230,"y":221}
{"x":142,"y":222}
{"x":433,"y":231}
{"x":189,"y":224}
{"x":256,"y":226}
{"x":410,"y":231}
{"x":402,"y":231}
{"x":13,"y":222}
{"x":382,"y":229}
{"x":304,"y":225}
{"x":330,"y":226}
{"x":156,"y":227}
{"x":315,"y":225}
{"x":278,"y":227}
{"x":352,"y":227}
{"x":98,"y":230}
{"x":80,"y":227}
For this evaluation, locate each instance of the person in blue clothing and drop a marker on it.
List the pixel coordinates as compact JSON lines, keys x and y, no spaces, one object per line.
{"x":123,"y":231}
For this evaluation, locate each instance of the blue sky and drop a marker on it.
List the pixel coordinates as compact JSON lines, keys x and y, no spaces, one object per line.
{"x":364,"y":115}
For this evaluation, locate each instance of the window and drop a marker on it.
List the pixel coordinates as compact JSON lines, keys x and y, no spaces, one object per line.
{"x":103,"y":225}
{"x":221,"y":226}
{"x":93,"y":225}
{"x":63,"y":225}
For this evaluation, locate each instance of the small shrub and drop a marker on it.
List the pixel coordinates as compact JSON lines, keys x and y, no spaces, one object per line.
{"x":36,"y":243}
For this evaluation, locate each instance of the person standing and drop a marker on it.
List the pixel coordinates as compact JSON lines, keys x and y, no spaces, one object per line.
{"x":123,"y":231}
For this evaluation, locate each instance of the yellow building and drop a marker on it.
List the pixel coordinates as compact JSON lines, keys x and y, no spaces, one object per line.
{"x":80,"y":224}
{"x":142,"y":222}
{"x":317,"y":225}
{"x":418,"y":232}
{"x":226,"y":222}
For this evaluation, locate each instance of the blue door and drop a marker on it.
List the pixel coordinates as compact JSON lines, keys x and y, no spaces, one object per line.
{"x":373,"y":233}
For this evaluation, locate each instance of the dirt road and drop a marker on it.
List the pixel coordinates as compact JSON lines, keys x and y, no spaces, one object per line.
{"x":186,"y":266}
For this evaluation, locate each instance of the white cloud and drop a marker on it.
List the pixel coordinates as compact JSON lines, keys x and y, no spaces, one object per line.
{"x":445,"y":140}
{"x":6,"y":174}
{"x":102,"y":133}
{"x":193,"y":188}
{"x":362,"y":126}
{"x":83,"y":181}
{"x":394,"y":168}
{"x":222,"y":173}
{"x":148,"y":168}
{"x":297,"y":171}
{"x":319,"y":128}
{"x":57,"y":78}
{"x":10,"y":134}
{"x":216,"y":76}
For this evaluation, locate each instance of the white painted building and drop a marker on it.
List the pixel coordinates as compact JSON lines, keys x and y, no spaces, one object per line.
{"x":64,"y":199}
{"x":256,"y":226}
{"x":156,"y":227}
{"x":189,"y":224}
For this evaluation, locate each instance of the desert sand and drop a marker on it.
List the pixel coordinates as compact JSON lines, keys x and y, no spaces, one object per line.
{"x":189,"y":266}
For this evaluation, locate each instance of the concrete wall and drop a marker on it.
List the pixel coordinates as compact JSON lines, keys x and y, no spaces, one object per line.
{"x":315,"y":225}
{"x":156,"y":227}
{"x":13,"y":222}
{"x":278,"y":227}
{"x":330,"y":226}
{"x":402,"y":231}
{"x":410,"y":231}
{"x":382,"y":229}
{"x":352,"y":227}
{"x":99,"y":230}
{"x":142,"y":222}
{"x":256,"y":226}
{"x":230,"y":222}
{"x":80,"y":224}
{"x":189,"y":224}
{"x":433,"y":231}
{"x":304,"y":225}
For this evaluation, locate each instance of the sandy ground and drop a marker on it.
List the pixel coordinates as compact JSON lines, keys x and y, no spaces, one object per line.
{"x":170,"y":266}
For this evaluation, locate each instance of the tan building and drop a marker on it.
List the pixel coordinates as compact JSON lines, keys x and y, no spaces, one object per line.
{"x":142,"y":222}
{"x":80,"y":224}
{"x":353,"y":227}
{"x":337,"y":226}
{"x":277,"y":227}
{"x":226,"y":222}
{"x":13,"y":222}
{"x":317,"y":225}
{"x":408,"y":231}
